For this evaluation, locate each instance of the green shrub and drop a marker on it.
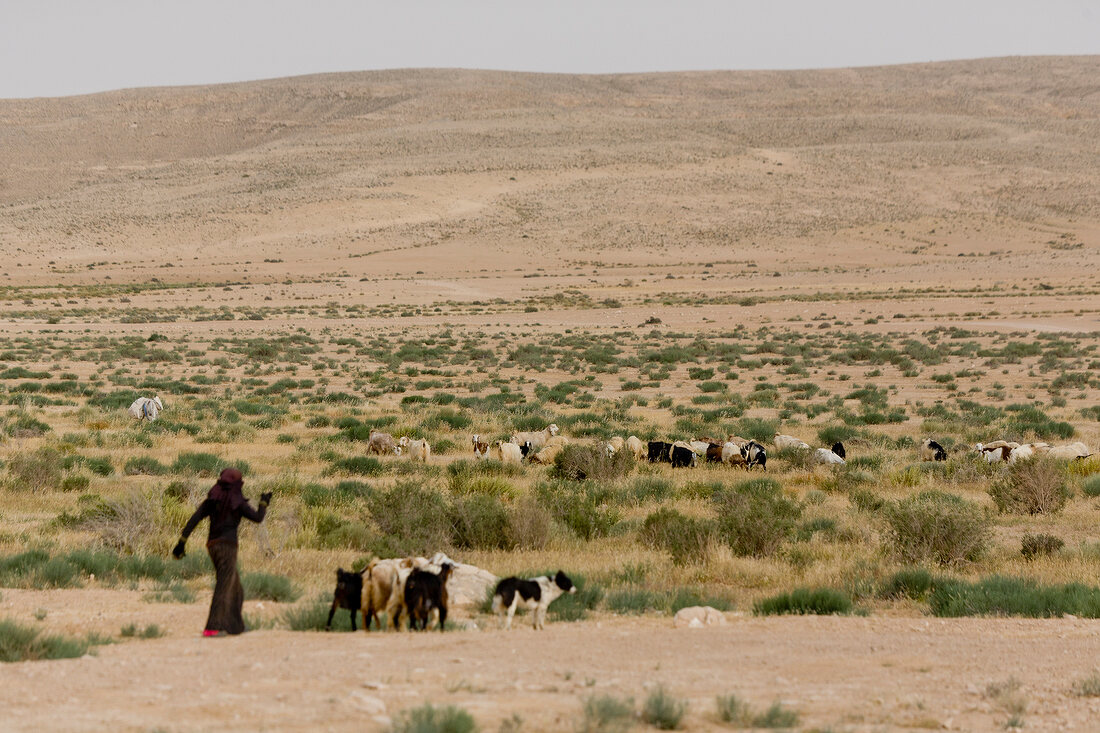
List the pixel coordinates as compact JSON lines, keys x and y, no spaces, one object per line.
{"x":866,"y":500}
{"x":26,"y":426}
{"x":267,"y":587}
{"x":579,"y":462}
{"x":663,"y":711}
{"x":734,"y":711}
{"x":205,"y":464}
{"x":480,"y":477}
{"x":415,"y":519}
{"x":581,"y":506}
{"x":1088,"y":686}
{"x":428,"y":719}
{"x":836,"y":434}
{"x":648,"y":488}
{"x":754,"y":518}
{"x":144,"y":465}
{"x":20,"y":643}
{"x":100,"y":466}
{"x":38,"y":471}
{"x":607,"y":714}
{"x":634,"y":601}
{"x":530,"y":523}
{"x":913,"y":583}
{"x":685,"y":538}
{"x":359,"y":465}
{"x":75,"y":482}
{"x":481,"y":523}
{"x":1036,"y":486}
{"x":934,"y":526}
{"x":1040,"y":544}
{"x":1091,"y":486}
{"x":802,"y":601}
{"x":1004,"y":596}
{"x":776,"y":716}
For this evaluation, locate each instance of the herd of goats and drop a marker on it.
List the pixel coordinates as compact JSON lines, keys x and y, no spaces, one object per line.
{"x":416,"y":588}
{"x":543,"y":446}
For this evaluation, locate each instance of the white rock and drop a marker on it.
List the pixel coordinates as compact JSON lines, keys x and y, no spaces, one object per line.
{"x":367,"y":703}
{"x":695,"y":617}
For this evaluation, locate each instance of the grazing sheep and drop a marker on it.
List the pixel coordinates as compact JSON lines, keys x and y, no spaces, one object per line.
{"x":682,"y":456}
{"x":930,"y":450}
{"x":998,"y":450}
{"x":547,"y":455}
{"x":1027,"y":451}
{"x":1069,"y":452}
{"x":737,"y":440}
{"x":616,"y":443}
{"x":756,"y":455}
{"x":659,"y":451}
{"x":535,"y":594}
{"x":381,"y":443}
{"x":838,"y":448}
{"x":537,"y":438}
{"x":734,"y":455}
{"x":636,"y":447}
{"x":145,"y":408}
{"x":788,"y":441}
{"x":507,"y":452}
{"x":416,"y":450}
{"x":481,"y":448}
{"x":426,"y":591}
{"x":824,"y":455}
{"x":348,"y":594}
{"x":559,"y":440}
{"x":699,"y":446}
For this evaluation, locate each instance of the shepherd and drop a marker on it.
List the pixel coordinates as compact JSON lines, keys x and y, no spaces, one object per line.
{"x":224,"y":506}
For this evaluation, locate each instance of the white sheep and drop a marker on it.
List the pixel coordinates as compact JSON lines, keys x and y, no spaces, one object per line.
{"x":733,"y":454}
{"x":417,"y":450}
{"x":507,"y":452}
{"x":537,"y":438}
{"x":615,"y":445}
{"x":1069,"y":452}
{"x":547,"y":455}
{"x":635,"y":445}
{"x":145,"y":408}
{"x":824,"y":455}
{"x":788,"y":441}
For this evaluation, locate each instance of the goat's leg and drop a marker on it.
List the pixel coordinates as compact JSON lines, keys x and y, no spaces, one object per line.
{"x":442,"y":617}
{"x":352,"y":611}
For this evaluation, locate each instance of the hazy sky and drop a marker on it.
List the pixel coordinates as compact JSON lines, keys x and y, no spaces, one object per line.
{"x":59,"y":47}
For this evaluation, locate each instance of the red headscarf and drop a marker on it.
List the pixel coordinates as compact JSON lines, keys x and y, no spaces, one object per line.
{"x":227,"y":491}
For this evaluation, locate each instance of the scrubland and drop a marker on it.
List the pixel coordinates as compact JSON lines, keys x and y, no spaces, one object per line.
{"x":876,"y":256}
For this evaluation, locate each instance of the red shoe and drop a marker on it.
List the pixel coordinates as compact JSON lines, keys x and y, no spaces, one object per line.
{"x":212,"y":632}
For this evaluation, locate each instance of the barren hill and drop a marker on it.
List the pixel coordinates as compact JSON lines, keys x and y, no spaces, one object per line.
{"x":345,"y":173}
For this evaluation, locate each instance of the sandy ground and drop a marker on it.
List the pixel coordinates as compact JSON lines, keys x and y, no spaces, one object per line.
{"x":846,"y":673}
{"x":963,"y":181}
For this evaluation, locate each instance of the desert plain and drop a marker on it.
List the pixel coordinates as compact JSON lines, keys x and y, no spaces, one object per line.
{"x":875,"y":255}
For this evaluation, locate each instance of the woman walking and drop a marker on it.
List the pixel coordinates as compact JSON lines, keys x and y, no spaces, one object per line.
{"x":224,"y":506}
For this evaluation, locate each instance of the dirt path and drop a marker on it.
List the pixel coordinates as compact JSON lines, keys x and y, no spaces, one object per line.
{"x":847,"y":673}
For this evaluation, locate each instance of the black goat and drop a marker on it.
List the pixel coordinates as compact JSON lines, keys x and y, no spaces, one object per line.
{"x":838,"y":448}
{"x":424,"y":591}
{"x":348,"y":594}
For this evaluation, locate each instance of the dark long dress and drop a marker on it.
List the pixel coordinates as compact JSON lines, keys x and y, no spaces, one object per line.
{"x":225,"y":606}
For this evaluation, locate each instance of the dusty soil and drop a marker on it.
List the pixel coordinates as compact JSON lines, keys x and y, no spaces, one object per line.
{"x":960,"y":182}
{"x":860,"y":674}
